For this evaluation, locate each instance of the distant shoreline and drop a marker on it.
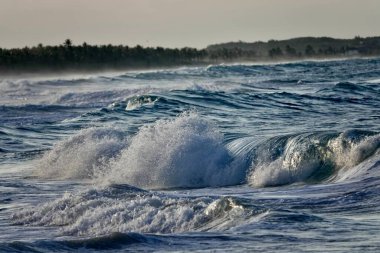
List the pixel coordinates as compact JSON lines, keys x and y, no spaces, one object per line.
{"x":85,"y":58}
{"x":74,"y":72}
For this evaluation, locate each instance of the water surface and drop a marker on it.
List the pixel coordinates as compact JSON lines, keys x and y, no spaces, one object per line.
{"x":282,"y":157}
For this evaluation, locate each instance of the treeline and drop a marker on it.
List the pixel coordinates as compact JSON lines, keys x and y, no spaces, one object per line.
{"x":309,"y":51}
{"x":298,"y":48}
{"x":93,"y":57}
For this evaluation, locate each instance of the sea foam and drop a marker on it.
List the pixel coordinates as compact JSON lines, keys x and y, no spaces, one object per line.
{"x":186,"y":151}
{"x":83,"y":155}
{"x":103,"y":211}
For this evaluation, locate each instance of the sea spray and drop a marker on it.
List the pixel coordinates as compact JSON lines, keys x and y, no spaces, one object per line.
{"x":186,"y":151}
{"x":83,"y":155}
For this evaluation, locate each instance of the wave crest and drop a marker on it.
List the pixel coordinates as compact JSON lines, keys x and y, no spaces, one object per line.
{"x":83,"y":155}
{"x":187,"y":151}
{"x":310,"y":157}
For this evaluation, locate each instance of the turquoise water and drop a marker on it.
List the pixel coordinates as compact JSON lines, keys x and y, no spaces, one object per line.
{"x":272,"y":157}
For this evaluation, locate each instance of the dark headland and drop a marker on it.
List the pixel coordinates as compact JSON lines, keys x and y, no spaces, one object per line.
{"x":85,"y":57}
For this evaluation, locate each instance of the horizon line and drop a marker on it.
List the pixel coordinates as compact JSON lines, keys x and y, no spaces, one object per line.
{"x":216,"y":43}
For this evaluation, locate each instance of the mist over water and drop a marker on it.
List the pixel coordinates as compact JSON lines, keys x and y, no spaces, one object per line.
{"x":255,"y":157}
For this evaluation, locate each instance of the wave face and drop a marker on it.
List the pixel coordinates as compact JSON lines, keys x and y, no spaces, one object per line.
{"x":219,"y":158}
{"x":311,"y":157}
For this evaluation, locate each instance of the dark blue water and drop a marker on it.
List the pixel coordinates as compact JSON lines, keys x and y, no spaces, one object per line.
{"x":276,"y":158}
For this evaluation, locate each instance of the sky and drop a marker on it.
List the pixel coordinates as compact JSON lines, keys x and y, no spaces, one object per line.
{"x":179,"y":23}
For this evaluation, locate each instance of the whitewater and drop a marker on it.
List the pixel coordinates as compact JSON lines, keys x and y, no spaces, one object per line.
{"x":232,"y":157}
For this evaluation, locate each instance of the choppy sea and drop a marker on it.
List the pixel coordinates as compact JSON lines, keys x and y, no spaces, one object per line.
{"x":243,"y":157}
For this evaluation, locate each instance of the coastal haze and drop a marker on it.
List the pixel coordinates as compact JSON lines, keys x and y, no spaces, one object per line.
{"x":179,"y":23}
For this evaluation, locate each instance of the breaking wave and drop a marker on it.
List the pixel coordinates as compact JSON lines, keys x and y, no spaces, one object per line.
{"x":187,"y":151}
{"x":311,"y":158}
{"x":83,"y":155}
{"x":120,"y":208}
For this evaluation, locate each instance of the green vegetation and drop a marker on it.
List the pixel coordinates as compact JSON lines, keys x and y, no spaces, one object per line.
{"x":70,"y":57}
{"x":92,"y":57}
{"x":302,"y":48}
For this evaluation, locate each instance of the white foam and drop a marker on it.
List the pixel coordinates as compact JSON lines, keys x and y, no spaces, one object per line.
{"x":187,"y":151}
{"x":298,"y":162}
{"x":348,"y":153}
{"x":138,"y":101}
{"x":83,"y":155}
{"x":355,"y":158}
{"x":99,"y":212}
{"x":373,"y":81}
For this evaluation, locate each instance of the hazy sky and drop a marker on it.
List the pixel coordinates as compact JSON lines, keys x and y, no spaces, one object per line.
{"x":178,"y":23}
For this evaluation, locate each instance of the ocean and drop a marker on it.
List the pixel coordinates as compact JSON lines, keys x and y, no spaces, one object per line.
{"x":223,"y":158}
